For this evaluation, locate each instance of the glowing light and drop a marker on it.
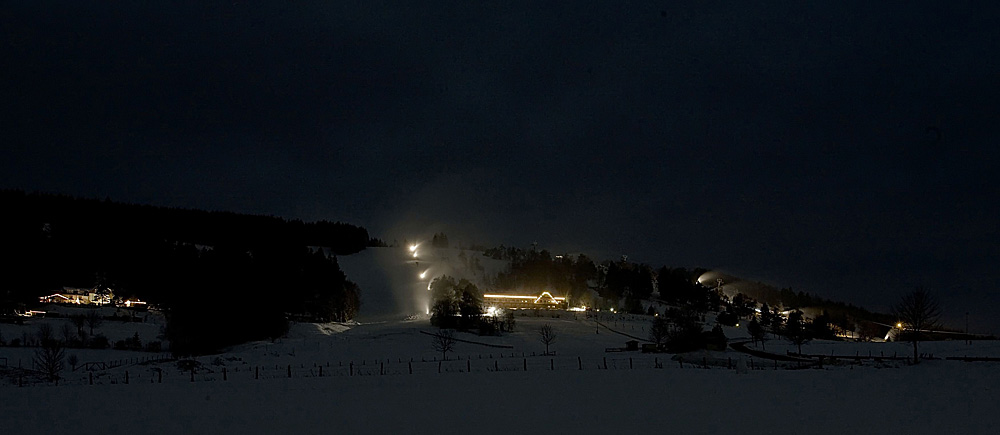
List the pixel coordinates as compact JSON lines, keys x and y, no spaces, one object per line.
{"x":899,"y":325}
{"x":129,"y":302}
{"x":492,"y":311}
{"x":423,"y":274}
{"x":414,"y":254}
{"x":578,"y":309}
{"x":533,"y":298}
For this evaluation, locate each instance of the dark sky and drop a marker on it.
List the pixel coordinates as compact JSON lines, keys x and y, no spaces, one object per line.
{"x":843,"y":148}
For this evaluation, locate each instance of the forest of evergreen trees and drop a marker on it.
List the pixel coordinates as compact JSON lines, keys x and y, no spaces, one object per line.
{"x":222,"y":278}
{"x":624,"y":285}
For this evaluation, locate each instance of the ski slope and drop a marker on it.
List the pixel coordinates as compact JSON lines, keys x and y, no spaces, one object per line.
{"x":390,"y":278}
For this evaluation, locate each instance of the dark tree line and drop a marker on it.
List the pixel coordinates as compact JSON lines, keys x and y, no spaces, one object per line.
{"x":222,"y":278}
{"x":540,"y":270}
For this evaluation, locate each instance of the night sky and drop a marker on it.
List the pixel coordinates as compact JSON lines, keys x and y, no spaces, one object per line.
{"x":847,"y":149}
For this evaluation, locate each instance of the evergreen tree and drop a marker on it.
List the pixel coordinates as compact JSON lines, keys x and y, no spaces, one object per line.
{"x":795,"y":329}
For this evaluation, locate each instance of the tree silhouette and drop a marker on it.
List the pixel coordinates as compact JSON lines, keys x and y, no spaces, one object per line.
{"x":918,"y":311}
{"x":547,"y":336}
{"x":444,"y":342}
{"x":94,"y":320}
{"x":659,"y":331}
{"x":756,"y":332}
{"x":49,"y":359}
{"x":795,"y":329}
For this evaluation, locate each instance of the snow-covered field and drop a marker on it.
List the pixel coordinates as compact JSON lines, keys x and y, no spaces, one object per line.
{"x":383,"y":376}
{"x":936,"y":396}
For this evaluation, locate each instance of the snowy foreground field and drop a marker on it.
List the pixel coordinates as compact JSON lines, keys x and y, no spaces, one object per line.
{"x":571,"y":392}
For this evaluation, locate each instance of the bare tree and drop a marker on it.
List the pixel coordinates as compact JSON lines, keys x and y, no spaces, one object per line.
{"x":444,"y":342}
{"x":67,"y":333}
{"x":45,"y":334}
{"x":918,"y":311}
{"x":49,"y":359}
{"x":547,"y":336}
{"x":659,"y":331}
{"x":79,"y":320}
{"x":94,"y":320}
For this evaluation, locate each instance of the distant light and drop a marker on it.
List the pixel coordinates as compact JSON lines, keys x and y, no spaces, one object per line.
{"x":423,"y":274}
{"x":413,"y":248}
{"x":414,"y":254}
{"x":737,"y":325}
{"x":899,"y":325}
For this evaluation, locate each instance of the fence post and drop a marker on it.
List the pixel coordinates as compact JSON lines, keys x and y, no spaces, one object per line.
{"x":159,"y":377}
{"x":321,"y":371}
{"x":289,"y":370}
{"x":411,"y":366}
{"x":605,"y":363}
{"x":525,"y":364}
{"x":552,"y":364}
{"x":439,"y":366}
{"x":126,"y":377}
{"x":91,"y":378}
{"x":468,"y":366}
{"x":381,"y":368}
{"x":352,"y":368}
{"x":496,"y":367}
{"x":630,"y":363}
{"x":579,"y":363}
{"x":256,"y":372}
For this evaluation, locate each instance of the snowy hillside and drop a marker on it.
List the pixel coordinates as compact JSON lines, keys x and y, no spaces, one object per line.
{"x":383,"y":375}
{"x":390,"y":278}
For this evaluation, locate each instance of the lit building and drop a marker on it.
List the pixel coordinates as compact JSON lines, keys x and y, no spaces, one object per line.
{"x":544,"y":301}
{"x":79,"y":296}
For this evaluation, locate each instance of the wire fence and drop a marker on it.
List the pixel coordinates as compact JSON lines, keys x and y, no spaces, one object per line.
{"x":192,"y":371}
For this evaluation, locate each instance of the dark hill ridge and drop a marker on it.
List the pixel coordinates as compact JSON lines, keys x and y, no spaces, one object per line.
{"x":224,"y":278}
{"x":37,"y":212}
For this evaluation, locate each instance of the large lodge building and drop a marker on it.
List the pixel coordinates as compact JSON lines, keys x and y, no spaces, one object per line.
{"x":544,"y":301}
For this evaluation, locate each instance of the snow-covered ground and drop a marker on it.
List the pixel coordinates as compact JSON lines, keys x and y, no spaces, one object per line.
{"x":383,"y":376}
{"x":578,"y":396}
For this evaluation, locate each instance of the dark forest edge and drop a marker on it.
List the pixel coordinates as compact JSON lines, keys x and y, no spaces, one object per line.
{"x":222,"y":278}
